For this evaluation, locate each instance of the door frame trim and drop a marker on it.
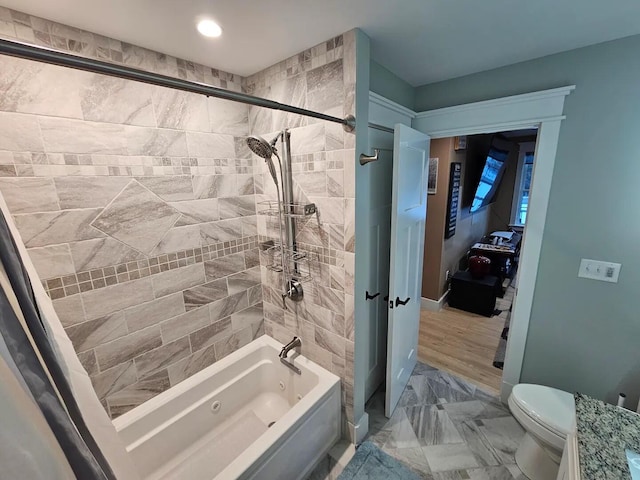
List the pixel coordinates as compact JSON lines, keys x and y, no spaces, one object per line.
{"x":543,"y":109}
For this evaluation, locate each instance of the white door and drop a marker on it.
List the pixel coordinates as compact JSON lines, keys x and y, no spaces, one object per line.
{"x":408,"y":219}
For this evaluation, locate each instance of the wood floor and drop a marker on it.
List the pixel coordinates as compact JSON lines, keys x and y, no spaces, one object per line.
{"x":463,"y":344}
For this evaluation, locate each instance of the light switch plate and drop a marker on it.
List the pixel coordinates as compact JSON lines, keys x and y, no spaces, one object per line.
{"x":597,"y":270}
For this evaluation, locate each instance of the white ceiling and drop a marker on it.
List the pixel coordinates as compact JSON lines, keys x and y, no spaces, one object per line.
{"x":422,"y":41}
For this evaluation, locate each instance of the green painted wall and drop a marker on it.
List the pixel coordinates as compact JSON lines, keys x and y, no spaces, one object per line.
{"x":584,"y":335}
{"x":387,"y":84}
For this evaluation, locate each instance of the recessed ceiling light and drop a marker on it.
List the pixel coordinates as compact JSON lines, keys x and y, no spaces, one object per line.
{"x":209,"y":28}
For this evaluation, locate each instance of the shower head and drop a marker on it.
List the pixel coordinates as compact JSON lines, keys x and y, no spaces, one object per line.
{"x":262,"y":148}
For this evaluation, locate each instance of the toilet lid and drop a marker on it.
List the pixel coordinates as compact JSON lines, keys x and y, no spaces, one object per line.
{"x":548,"y":406}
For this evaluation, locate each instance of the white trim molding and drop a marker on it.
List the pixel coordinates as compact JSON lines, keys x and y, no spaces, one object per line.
{"x":387,"y":113}
{"x":508,"y":113}
{"x":433,"y":305}
{"x":544,"y":110}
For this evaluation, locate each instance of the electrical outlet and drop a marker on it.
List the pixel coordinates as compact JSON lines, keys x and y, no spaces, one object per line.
{"x":597,"y":270}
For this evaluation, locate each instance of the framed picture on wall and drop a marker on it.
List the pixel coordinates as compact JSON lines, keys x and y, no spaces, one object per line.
{"x":460,"y":143}
{"x":433,"y":176}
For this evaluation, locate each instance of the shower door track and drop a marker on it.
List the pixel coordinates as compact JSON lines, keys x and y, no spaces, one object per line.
{"x":55,"y":57}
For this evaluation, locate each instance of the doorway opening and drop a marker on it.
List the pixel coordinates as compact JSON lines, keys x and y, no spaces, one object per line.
{"x":476,"y":213}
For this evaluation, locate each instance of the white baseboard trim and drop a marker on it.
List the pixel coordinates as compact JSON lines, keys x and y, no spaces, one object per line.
{"x":433,"y":305}
{"x":357,"y":432}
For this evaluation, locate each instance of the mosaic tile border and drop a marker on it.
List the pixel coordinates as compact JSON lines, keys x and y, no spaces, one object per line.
{"x":60,"y":287}
{"x":27,"y":164}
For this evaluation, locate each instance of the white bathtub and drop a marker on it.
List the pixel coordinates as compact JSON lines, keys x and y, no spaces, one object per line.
{"x":215,"y":424}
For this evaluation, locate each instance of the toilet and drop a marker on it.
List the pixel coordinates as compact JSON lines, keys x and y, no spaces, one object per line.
{"x":547,"y":416}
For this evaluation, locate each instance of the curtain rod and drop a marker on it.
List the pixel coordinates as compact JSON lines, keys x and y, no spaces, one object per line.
{"x":55,"y":57}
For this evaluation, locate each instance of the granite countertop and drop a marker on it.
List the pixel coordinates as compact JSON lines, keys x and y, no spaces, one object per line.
{"x":604,"y":432}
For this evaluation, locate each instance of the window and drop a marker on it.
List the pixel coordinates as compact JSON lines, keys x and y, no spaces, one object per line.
{"x":523,"y":184}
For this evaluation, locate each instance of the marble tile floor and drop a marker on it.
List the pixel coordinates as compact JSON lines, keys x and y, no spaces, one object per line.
{"x":444,"y":428}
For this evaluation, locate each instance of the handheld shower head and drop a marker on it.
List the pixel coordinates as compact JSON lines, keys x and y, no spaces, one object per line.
{"x":262,"y":148}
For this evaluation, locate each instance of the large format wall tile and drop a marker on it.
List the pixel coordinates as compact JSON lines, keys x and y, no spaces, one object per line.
{"x":52,"y":261}
{"x":128,"y":347}
{"x":97,"y":332}
{"x":169,"y":188}
{"x":178,"y":238}
{"x":228,"y":117}
{"x":173,"y":281}
{"x":137,"y":217}
{"x":41,"y":197}
{"x":210,"y":145}
{"x":20,"y":133}
{"x":151,"y":313}
{"x":87,"y":192}
{"x":162,"y":356}
{"x":101,"y":252}
{"x":117,"y":297}
{"x":197,"y":211}
{"x":185,"y":324}
{"x":155,"y":142}
{"x":180,"y":110}
{"x":74,"y":136}
{"x":37,"y":88}
{"x":115,"y":100}
{"x":41,"y":229}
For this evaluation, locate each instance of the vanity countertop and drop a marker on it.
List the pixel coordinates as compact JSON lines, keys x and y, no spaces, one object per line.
{"x":604,"y":431}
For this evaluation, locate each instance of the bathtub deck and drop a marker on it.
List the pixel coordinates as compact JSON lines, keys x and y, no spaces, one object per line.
{"x":212,"y":453}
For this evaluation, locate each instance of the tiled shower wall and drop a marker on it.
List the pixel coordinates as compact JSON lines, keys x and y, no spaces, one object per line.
{"x":137,"y":206}
{"x":321,"y":79}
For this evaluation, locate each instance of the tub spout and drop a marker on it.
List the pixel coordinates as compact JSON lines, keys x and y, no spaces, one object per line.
{"x":290,"y":346}
{"x":285,"y":351}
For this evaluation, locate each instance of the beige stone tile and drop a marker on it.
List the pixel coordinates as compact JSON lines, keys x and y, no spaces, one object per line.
{"x":93,"y":333}
{"x":185,"y":324}
{"x":211,"y":334}
{"x":138,"y":393}
{"x":87,"y":192}
{"x":204,"y":294}
{"x":162,"y":356}
{"x":41,"y":198}
{"x":42,"y":229}
{"x":192,"y":364}
{"x":210,"y":145}
{"x":137,"y":218}
{"x":180,"y":110}
{"x":222,"y":267}
{"x":117,"y":297}
{"x":155,"y":142}
{"x":182,"y":278}
{"x":24,"y":88}
{"x":89,"y":362}
{"x":116,"y":100}
{"x":177,"y":239}
{"x":228,"y":117}
{"x":63,"y":135}
{"x":69,"y":310}
{"x":233,"y":342}
{"x":329,"y":341}
{"x":151,"y":313}
{"x":20,"y":133}
{"x":247,"y":317}
{"x":197,"y":211}
{"x":170,"y":188}
{"x":227,"y":306}
{"x":114,"y":379}
{"x":128,"y":347}
{"x":101,"y":252}
{"x":52,"y":261}
{"x":221,"y":231}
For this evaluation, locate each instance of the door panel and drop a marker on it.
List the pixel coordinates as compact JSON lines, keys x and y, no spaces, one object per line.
{"x":408,"y":219}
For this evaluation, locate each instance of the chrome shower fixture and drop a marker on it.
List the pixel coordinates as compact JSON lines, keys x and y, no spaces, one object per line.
{"x":263,"y":149}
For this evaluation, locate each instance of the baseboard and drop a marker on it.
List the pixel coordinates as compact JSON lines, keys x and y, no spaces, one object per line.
{"x":357,"y":432}
{"x":433,"y":305}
